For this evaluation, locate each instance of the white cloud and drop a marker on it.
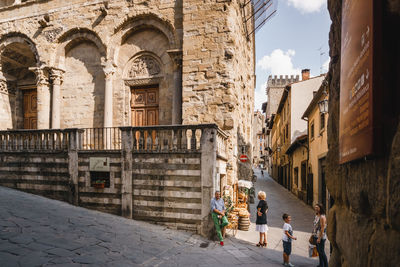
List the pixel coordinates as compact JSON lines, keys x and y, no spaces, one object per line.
{"x":325,"y":66}
{"x":307,"y":6}
{"x":260,"y":96}
{"x":279,"y":63}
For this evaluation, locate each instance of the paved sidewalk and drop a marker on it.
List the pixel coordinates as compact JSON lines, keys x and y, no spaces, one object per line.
{"x":280,"y":201}
{"x":35,"y":231}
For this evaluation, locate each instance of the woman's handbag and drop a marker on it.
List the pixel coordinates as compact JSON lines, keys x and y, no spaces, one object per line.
{"x":312,"y":240}
{"x":312,"y":251}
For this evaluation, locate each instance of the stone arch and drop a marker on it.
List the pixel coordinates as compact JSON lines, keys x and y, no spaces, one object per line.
{"x":17,"y":37}
{"x":82,"y":55}
{"x":20,"y":66}
{"x":148,"y":21}
{"x":75,"y":36}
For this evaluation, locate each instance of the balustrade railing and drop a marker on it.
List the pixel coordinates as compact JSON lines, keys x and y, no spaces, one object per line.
{"x":22,"y":140}
{"x":167,"y":138}
{"x":147,"y":138}
{"x":108,"y":138}
{"x":221,"y":143}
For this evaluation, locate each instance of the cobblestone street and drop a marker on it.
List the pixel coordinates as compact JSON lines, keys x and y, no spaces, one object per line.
{"x":36,"y":231}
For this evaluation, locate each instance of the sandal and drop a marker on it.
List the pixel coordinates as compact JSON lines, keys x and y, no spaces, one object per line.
{"x":259,"y":244}
{"x":265,"y":244}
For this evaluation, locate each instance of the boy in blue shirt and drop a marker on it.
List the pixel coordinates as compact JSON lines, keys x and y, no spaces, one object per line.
{"x":287,"y":239}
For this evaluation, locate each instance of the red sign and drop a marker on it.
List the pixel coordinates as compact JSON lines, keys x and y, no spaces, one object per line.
{"x":243,"y":158}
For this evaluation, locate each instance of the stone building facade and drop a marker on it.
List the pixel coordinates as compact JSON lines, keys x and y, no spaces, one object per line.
{"x":93,"y":64}
{"x":258,"y":130}
{"x":317,"y":144}
{"x":364,"y":222}
{"x":275,"y":87}
{"x":288,"y":125}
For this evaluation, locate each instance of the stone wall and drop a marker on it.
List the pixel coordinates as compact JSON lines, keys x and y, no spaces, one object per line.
{"x":82,"y":91}
{"x":218,"y":75}
{"x":41,"y":173}
{"x":169,"y":177}
{"x":364,"y":222}
{"x":258,"y":138}
{"x":107,"y":199}
{"x":167,"y":189}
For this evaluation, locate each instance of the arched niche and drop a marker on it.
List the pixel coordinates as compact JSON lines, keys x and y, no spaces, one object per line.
{"x":143,"y":62}
{"x":18,"y":91}
{"x":73,"y":37}
{"x":81,"y":54}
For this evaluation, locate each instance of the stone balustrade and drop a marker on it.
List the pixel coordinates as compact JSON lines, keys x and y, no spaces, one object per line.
{"x":37,"y":140}
{"x":144,"y":139}
{"x":222,"y":138}
{"x":170,"y":137}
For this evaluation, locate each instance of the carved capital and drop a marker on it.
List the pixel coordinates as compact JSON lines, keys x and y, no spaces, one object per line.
{"x":109,"y":69}
{"x":3,"y":86}
{"x":7,"y":87}
{"x":176,"y":56}
{"x":56,"y":76}
{"x":42,"y":75}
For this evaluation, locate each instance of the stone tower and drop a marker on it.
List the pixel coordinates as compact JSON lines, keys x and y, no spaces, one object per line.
{"x":218,"y":75}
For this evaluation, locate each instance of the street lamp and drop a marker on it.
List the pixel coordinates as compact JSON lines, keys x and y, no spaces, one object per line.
{"x":323,"y":106}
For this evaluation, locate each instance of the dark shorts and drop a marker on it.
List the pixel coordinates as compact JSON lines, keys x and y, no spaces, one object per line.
{"x":287,"y":247}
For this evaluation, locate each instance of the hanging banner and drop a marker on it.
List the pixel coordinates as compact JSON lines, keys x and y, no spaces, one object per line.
{"x":356,"y":125}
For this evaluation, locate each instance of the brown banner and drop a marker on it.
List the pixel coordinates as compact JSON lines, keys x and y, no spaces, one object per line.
{"x":356,"y":81}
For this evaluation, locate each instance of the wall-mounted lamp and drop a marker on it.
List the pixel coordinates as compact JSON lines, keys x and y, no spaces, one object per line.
{"x":323,"y":106}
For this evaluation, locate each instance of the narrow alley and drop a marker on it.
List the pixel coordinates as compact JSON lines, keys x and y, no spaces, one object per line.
{"x":282,"y":201}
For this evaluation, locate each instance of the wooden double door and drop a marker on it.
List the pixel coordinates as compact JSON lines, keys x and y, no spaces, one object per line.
{"x":145,"y":106}
{"x":30,"y":108}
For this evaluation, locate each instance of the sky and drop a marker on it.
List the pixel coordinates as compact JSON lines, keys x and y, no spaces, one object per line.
{"x":290,"y":41}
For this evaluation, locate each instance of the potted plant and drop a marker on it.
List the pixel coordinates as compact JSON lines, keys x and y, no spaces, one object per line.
{"x":99,"y":183}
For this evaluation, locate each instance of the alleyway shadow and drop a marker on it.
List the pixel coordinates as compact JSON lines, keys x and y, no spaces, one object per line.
{"x":281,"y":201}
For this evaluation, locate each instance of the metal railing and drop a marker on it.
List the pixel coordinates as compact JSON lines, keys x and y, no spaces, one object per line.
{"x":108,"y":138}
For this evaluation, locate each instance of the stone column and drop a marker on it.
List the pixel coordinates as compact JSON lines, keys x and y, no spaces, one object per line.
{"x":126,"y":175}
{"x":56,"y":77}
{"x":109,"y":70}
{"x":73,"y":147}
{"x":208,"y":144}
{"x":43,"y":98}
{"x":176,"y":56}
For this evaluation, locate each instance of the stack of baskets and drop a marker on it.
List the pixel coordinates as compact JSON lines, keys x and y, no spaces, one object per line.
{"x":244,"y":221}
{"x":233,"y":219}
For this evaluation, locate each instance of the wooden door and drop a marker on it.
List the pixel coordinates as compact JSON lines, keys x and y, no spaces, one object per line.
{"x":30,"y":109}
{"x":144,"y":106}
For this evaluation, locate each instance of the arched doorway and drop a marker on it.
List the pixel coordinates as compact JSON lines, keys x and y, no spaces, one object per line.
{"x":18,"y":79}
